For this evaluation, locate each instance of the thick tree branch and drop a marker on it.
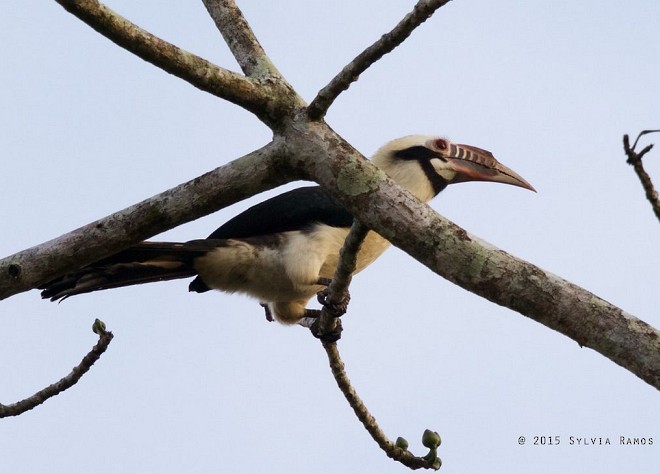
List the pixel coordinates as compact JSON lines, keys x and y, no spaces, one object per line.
{"x":393,"y":451}
{"x":635,"y":160}
{"x":105,"y":337}
{"x":472,"y":263}
{"x":264,"y":100}
{"x":342,"y":81}
{"x":242,"y":178}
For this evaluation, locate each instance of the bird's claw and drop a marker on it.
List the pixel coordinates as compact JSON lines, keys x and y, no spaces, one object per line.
{"x":335,"y":310}
{"x":325,"y":336}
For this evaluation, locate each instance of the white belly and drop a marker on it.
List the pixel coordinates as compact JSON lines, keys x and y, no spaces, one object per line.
{"x":283,"y":271}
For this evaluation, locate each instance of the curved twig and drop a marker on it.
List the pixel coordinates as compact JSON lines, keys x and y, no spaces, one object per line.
{"x":260,"y":99}
{"x":635,"y":160}
{"x":105,"y":337}
{"x":401,"y":455}
{"x":641,"y":134}
{"x":350,"y":73}
{"x":328,"y":322}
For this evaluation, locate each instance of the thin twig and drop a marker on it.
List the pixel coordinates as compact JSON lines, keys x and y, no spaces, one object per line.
{"x":403,"y":456}
{"x":259,"y":99}
{"x":64,"y":383}
{"x":337,"y":291}
{"x":635,"y":160}
{"x":350,"y":73}
{"x":641,"y":134}
{"x":338,"y":288}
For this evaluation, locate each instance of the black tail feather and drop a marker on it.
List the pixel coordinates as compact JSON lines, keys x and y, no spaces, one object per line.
{"x":143,"y":263}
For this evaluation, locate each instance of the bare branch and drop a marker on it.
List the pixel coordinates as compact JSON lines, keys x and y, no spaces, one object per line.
{"x":105,"y":337}
{"x":350,"y":73}
{"x":635,"y":160}
{"x":261,"y":99}
{"x":393,"y":451}
{"x":242,"y":178}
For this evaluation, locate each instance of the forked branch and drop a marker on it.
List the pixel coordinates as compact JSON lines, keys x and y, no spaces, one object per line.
{"x":635,"y":160}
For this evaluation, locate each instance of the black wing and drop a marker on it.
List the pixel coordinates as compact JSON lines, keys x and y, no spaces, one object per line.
{"x":293,"y":210}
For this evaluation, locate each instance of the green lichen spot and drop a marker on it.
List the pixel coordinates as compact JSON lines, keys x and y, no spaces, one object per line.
{"x":352,"y":181}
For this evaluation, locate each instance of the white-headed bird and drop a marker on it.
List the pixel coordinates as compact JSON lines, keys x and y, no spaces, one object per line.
{"x":284,"y":250}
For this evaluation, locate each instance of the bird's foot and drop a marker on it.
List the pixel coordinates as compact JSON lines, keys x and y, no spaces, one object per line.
{"x":312,"y":321}
{"x":335,"y":310}
{"x":323,"y":334}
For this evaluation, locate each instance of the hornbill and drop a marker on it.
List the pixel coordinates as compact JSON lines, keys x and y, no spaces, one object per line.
{"x":284,"y":250}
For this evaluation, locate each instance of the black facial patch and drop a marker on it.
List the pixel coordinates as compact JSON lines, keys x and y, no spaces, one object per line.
{"x":437,"y":182}
{"x":419,"y":153}
{"x":423,"y":156}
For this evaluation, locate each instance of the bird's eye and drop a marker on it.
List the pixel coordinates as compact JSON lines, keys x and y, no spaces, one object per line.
{"x":441,"y":144}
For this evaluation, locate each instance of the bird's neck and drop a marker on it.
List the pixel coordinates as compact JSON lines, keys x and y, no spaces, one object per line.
{"x":416,"y":180}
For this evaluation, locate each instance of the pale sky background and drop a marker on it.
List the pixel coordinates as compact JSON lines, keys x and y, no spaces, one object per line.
{"x":202,"y":383}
